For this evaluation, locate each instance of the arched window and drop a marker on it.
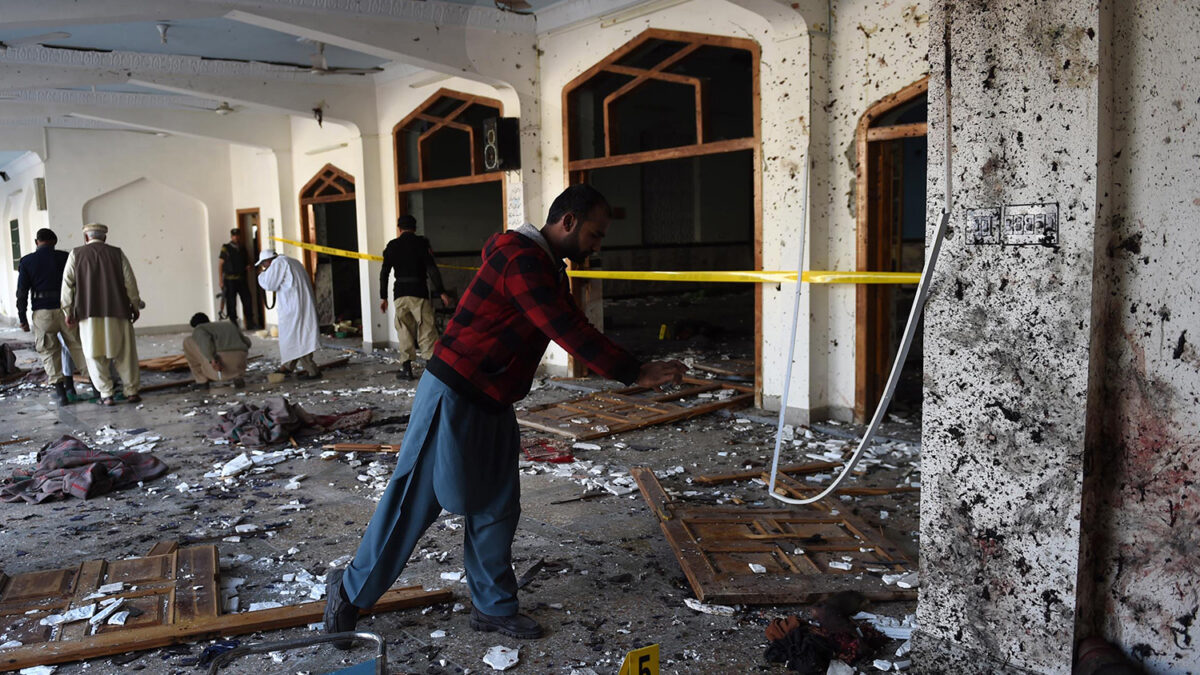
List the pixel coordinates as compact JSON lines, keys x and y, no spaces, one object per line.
{"x":440,"y":178}
{"x":667,"y":127}
{"x":890,"y":209}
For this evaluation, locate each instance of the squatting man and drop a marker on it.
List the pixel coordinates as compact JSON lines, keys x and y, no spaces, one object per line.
{"x":461,"y":448}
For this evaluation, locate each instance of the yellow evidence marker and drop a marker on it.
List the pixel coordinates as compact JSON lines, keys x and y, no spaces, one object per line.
{"x":642,"y":661}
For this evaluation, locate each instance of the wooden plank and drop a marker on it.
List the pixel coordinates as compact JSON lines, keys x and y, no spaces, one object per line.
{"x":790,"y":488}
{"x":891,"y":133}
{"x":361,"y":447}
{"x":450,"y":182}
{"x":15,"y":440}
{"x":811,"y":467}
{"x":197,"y":590}
{"x":120,"y":642}
{"x":716,"y":147}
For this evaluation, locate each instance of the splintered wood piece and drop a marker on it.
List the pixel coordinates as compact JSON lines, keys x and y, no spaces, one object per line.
{"x":165,"y":364}
{"x":733,"y":367}
{"x":811,"y":467}
{"x":796,"y":490}
{"x":336,"y":363}
{"x":15,"y":440}
{"x":716,"y":546}
{"x":612,"y":412}
{"x":175,"y":592}
{"x":361,"y":447}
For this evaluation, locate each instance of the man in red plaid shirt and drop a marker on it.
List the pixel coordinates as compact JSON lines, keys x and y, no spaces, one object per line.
{"x":461,"y":448}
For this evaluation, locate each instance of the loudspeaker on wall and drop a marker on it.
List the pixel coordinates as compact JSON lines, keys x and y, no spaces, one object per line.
{"x":501,"y":144}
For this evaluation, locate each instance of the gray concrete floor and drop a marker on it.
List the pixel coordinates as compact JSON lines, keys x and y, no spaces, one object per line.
{"x":615,"y":584}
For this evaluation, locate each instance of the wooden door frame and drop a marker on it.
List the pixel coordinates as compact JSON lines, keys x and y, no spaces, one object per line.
{"x":871,"y":352}
{"x":308,"y":225}
{"x":257,"y":298}
{"x":576,"y":171}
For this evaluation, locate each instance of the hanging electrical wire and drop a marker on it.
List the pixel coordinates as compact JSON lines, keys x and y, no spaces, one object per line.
{"x":914,"y":313}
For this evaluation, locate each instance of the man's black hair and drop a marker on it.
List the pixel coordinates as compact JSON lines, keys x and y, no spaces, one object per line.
{"x":234,"y":232}
{"x":579,"y":200}
{"x":198,"y":318}
{"x":406,"y":222}
{"x":47,"y":235}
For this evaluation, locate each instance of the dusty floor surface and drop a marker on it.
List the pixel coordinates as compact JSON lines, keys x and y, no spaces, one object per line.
{"x":612,"y":582}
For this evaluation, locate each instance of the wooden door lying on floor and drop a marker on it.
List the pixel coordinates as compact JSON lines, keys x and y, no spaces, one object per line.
{"x":173,"y":595}
{"x":606,"y":413}
{"x":716,"y":546}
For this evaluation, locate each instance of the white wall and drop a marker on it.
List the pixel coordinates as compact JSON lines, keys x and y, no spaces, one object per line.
{"x":17,"y":202}
{"x":83,"y":165}
{"x":169,"y":227}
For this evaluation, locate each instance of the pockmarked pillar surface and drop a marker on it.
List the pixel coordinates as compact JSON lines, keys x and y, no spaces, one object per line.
{"x":1008,"y":335}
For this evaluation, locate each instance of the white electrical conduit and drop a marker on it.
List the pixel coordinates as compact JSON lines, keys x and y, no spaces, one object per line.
{"x":910,"y":328}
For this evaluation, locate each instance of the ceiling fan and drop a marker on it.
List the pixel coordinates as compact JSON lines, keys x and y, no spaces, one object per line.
{"x":33,"y":40}
{"x":320,"y":66}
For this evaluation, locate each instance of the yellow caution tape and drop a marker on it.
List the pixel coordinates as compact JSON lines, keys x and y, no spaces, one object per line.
{"x":715,"y":276}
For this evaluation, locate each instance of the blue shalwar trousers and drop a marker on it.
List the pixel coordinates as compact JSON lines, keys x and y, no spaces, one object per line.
{"x":462,"y":457}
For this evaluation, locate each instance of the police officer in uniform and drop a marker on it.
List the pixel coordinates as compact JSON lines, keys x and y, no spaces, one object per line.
{"x":411,"y":257}
{"x":40,"y":276}
{"x":233,"y":269}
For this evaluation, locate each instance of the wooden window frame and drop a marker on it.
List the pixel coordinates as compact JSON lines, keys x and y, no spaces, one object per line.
{"x":871,"y":336}
{"x":575,"y":171}
{"x":477,"y":175}
{"x":308,"y":224}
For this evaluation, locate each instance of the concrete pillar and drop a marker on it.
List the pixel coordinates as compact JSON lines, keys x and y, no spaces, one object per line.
{"x":1008,"y":335}
{"x":370,"y":191}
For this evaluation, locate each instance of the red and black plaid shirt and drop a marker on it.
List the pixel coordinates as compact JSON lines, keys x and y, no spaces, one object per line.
{"x":518,"y":301}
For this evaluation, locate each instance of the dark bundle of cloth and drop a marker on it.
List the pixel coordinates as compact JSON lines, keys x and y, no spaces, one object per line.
{"x":808,"y":646}
{"x":8,"y":361}
{"x":68,"y":467}
{"x":277,"y":420}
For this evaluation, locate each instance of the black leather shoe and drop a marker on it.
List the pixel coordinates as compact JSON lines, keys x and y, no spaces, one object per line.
{"x":340,"y":615}
{"x":518,"y":625}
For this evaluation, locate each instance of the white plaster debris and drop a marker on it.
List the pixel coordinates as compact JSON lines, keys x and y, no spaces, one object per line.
{"x":839,"y":668}
{"x":103,"y":615}
{"x":11,"y":644}
{"x":38,"y":670}
{"x":882,"y":664}
{"x":586,"y":446}
{"x":245,"y":528}
{"x":904,"y":649}
{"x":452,"y":576}
{"x":269,"y":604}
{"x":438,"y":634}
{"x":903,"y":579}
{"x":840,"y":565}
{"x":500,"y":657}
{"x":715,"y":610}
{"x":119,"y":618}
{"x":583,"y":671}
{"x":757,"y":569}
{"x":77,"y":614}
{"x":896,"y":629}
{"x":236,"y":465}
{"x":901,"y":665}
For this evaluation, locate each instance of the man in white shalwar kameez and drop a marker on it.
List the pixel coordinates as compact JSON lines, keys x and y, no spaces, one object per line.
{"x":296,"y":306}
{"x":100,"y":293}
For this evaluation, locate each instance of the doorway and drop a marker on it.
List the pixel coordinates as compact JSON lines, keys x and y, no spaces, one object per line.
{"x":328,"y":218}
{"x":248,"y":225}
{"x":892,"y":163}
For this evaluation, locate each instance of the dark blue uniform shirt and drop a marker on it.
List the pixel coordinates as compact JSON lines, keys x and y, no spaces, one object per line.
{"x":40,"y":275}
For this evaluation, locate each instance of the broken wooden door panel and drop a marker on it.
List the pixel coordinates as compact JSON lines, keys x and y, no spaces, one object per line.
{"x":717,"y":545}
{"x":173,"y":597}
{"x":613,"y":412}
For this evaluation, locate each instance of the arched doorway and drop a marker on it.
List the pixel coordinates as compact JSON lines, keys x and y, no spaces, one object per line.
{"x":327,"y":218}
{"x":891,"y":149}
{"x":440,"y":179}
{"x":667,"y":127}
